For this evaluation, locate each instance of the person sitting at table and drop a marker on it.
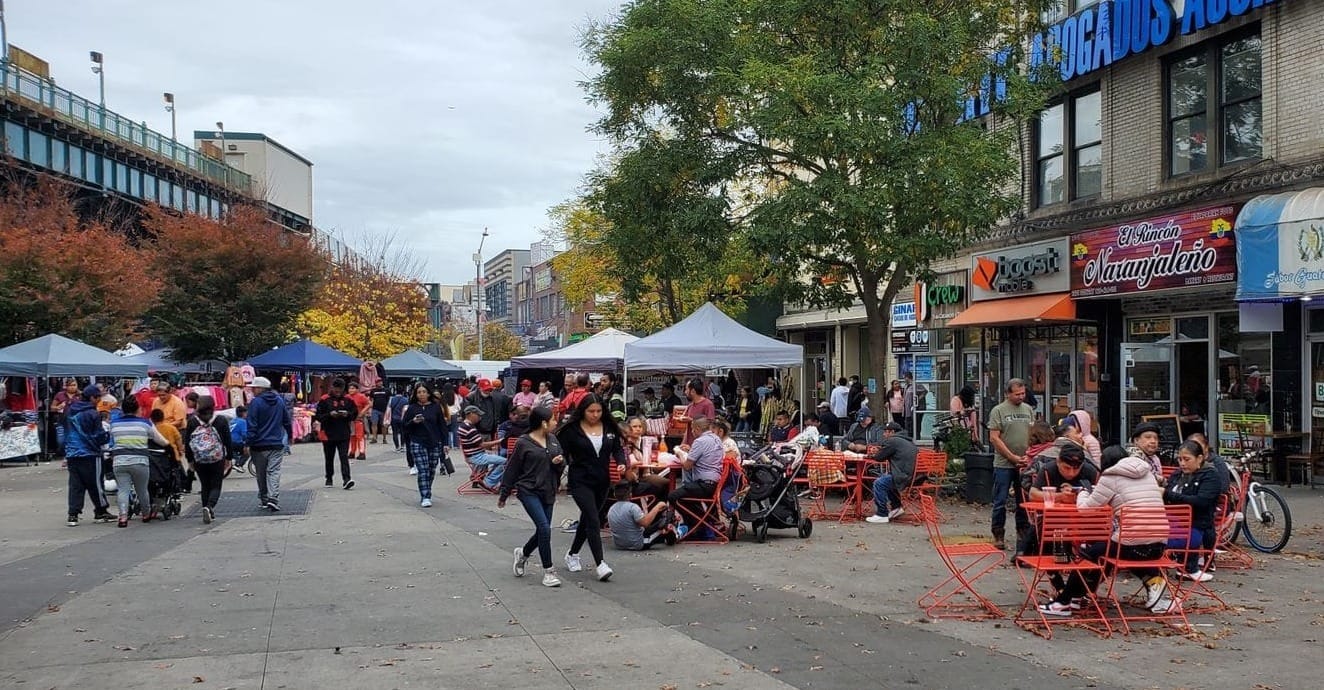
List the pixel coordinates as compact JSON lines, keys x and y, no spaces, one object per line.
{"x":701,"y":463}
{"x":515,"y":427}
{"x":781,"y":430}
{"x":650,"y":405}
{"x":809,"y":434}
{"x":1068,"y":474}
{"x":1221,"y":471}
{"x":901,"y":454}
{"x":631,"y":528}
{"x":641,"y":483}
{"x":1125,"y":481}
{"x":1068,"y":436}
{"x":1195,"y":484}
{"x":863,"y":433}
{"x":1145,"y":446}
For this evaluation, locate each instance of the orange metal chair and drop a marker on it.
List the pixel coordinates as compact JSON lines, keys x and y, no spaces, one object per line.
{"x":706,"y":512}
{"x":1064,"y":524}
{"x":1225,"y":521}
{"x":930,"y":468}
{"x":1151,"y":523}
{"x":956,"y":597}
{"x":476,"y":485}
{"x":1190,"y":591}
{"x":826,"y":471}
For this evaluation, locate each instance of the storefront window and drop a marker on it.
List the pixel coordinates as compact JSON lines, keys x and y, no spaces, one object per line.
{"x":1245,"y":377}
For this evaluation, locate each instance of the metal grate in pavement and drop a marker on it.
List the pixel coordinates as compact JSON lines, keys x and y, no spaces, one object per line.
{"x":237,"y":504}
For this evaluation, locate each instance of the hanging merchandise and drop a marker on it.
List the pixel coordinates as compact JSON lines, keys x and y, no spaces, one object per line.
{"x":233,"y":377}
{"x":246,"y":372}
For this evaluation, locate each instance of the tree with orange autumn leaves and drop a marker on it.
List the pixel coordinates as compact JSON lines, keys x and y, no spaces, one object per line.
{"x":60,"y":274}
{"x":367,"y":311}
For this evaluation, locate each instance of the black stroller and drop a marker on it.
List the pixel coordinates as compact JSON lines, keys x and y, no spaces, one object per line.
{"x":165,"y":484}
{"x":771,"y":500}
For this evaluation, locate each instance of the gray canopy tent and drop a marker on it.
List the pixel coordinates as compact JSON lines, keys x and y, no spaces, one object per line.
{"x":55,"y":355}
{"x":604,"y":351}
{"x":416,"y":364}
{"x":163,"y":361}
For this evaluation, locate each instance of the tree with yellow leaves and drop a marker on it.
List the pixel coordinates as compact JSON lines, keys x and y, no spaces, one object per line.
{"x":370,"y":311}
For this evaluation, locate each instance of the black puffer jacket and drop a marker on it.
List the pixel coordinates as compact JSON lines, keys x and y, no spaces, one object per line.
{"x":1199,"y":490}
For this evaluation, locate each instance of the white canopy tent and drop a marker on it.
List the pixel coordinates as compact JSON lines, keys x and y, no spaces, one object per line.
{"x":604,"y":351}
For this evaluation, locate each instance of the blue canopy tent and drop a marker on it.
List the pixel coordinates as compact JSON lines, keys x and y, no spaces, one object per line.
{"x":305,"y":356}
{"x":55,"y":355}
{"x":415,"y":364}
{"x":163,"y":361}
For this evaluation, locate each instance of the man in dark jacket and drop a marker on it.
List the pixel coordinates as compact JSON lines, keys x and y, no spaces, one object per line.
{"x":270,"y":429}
{"x":494,"y":404}
{"x":84,"y":437}
{"x":828,"y":422}
{"x":900,"y":453}
{"x":336,"y":414}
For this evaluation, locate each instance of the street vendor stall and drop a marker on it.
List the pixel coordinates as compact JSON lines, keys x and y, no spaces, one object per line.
{"x":604,"y":351}
{"x":413,"y":364}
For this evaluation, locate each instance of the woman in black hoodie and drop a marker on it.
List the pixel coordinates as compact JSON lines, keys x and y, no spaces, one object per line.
{"x":534,"y":470}
{"x":592,"y":442}
{"x":1196,"y":485}
{"x":424,"y":425}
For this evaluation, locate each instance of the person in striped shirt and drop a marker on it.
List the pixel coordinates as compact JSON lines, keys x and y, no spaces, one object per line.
{"x":129,"y":436}
{"x":478,"y":451}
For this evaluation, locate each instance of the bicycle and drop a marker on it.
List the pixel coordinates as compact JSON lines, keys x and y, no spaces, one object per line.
{"x":1257,"y":511}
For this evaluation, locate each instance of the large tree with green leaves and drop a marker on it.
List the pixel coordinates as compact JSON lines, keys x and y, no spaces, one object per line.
{"x":833,"y":135}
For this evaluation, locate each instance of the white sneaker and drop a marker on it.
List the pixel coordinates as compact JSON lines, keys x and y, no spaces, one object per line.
{"x":520,"y":560}
{"x":427,"y":503}
{"x":896,"y":513}
{"x":1155,"y":589}
{"x":1167,"y":604}
{"x":1198,"y":576}
{"x":413,"y":470}
{"x":604,"y":572}
{"x":572,"y":563}
{"x":549,"y":579}
{"x":878,"y":519}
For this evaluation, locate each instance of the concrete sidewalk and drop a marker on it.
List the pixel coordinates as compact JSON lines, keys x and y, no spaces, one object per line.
{"x":368,"y":590}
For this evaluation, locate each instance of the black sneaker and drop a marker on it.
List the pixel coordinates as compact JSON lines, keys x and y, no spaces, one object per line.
{"x":349,"y":484}
{"x":328,"y":482}
{"x":73,"y":520}
{"x":103,"y":517}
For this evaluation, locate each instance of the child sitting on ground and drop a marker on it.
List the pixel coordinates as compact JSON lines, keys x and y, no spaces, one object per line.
{"x":631,"y":528}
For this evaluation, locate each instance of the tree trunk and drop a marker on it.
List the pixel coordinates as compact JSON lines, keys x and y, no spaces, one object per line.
{"x":878,"y":319}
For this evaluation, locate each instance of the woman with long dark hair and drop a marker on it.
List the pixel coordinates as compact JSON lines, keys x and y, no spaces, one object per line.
{"x":534,"y":469}
{"x":424,"y":426}
{"x":591,"y":441}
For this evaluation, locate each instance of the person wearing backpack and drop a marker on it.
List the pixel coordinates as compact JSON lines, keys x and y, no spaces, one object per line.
{"x":207,"y":446}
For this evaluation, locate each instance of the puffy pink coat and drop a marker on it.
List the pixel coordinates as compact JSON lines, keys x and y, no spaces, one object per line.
{"x":1128,"y":483}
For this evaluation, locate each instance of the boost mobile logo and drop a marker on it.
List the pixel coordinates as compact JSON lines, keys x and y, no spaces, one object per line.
{"x":1014,"y":274}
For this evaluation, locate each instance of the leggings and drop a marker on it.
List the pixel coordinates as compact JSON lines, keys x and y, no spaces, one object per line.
{"x":329,"y":451}
{"x":589,"y":499}
{"x":133,"y":476}
{"x":211,"y":475}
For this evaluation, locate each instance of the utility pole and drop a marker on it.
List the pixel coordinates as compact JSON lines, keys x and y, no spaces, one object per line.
{"x":99,"y":69}
{"x":170,"y":108}
{"x":478,"y":289}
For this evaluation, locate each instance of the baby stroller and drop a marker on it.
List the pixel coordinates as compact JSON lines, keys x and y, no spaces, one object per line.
{"x":771,"y":501}
{"x":165,"y":483}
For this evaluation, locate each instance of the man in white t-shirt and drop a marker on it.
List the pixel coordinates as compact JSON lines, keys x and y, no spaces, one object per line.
{"x":839,"y":400}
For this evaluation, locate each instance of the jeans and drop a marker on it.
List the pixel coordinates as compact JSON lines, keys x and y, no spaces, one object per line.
{"x":1194,"y":541}
{"x":211,"y":475}
{"x":266,"y":468}
{"x":85,"y":477}
{"x":743,"y":426}
{"x":541,"y":514}
{"x":1006,"y":480}
{"x":329,"y":451}
{"x":133,"y":476}
{"x":885,"y":494}
{"x":589,"y":499}
{"x":397,"y":434}
{"x":495,"y":463}
{"x":426,"y":459}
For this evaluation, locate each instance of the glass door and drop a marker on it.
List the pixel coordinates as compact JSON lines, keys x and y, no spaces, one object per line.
{"x":933,"y":391}
{"x":1146,"y":382}
{"x":1315,"y":425}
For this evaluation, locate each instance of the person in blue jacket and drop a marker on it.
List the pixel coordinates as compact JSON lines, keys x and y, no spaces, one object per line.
{"x":270,"y":428}
{"x":84,"y":438}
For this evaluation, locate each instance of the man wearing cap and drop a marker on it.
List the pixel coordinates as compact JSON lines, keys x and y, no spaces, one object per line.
{"x":335,"y":415}
{"x":176,"y":413}
{"x":526,"y":397}
{"x":84,"y":437}
{"x":1145,"y":446}
{"x":863,"y":433}
{"x":270,"y":428}
{"x":478,"y":451}
{"x":900,"y":453}
{"x":493,"y":403}
{"x":828,"y":421}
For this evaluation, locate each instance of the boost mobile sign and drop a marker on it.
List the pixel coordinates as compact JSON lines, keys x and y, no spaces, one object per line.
{"x":1033,"y":269}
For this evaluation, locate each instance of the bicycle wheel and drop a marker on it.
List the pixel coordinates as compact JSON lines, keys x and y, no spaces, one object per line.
{"x":1270,"y":532}
{"x":1228,"y":524}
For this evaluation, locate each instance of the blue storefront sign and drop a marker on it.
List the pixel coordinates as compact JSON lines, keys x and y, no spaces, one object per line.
{"x":1280,"y":247}
{"x":1110,"y":31}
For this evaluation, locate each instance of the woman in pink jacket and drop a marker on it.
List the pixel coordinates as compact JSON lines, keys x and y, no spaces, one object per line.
{"x":1084,"y":422}
{"x":1125,"y":481}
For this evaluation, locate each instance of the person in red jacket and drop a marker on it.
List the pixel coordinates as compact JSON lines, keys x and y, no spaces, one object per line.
{"x":357,"y":448}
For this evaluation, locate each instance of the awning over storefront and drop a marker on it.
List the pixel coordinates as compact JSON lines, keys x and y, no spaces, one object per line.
{"x":1017,"y":310}
{"x":1280,"y":246}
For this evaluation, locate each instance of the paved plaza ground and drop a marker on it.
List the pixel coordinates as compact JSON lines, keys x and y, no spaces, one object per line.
{"x":367,"y":590}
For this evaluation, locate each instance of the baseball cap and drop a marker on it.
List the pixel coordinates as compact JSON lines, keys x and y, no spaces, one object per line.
{"x":92,"y":392}
{"x":261,"y":382}
{"x":823,"y":404}
{"x":473,"y":409}
{"x":893,"y":426}
{"x":864,"y":412}
{"x":485,"y":385}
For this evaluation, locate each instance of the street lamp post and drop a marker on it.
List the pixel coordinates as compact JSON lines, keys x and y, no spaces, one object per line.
{"x":170,"y":108}
{"x":99,"y":69}
{"x":225,"y":169}
{"x":478,"y":289}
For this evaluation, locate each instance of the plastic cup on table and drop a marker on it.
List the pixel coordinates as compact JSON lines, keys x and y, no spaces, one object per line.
{"x":1050,"y":496}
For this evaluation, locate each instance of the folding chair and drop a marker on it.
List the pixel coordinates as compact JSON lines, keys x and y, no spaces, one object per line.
{"x":1071,"y":526}
{"x":476,"y":485}
{"x":827,"y":471}
{"x":1152,"y":524}
{"x":966,"y":563}
{"x":930,"y":468}
{"x":1225,"y":521}
{"x":1187,"y":590}
{"x":705,"y":512}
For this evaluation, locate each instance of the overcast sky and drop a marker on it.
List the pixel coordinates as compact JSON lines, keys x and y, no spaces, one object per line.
{"x":433,"y":119}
